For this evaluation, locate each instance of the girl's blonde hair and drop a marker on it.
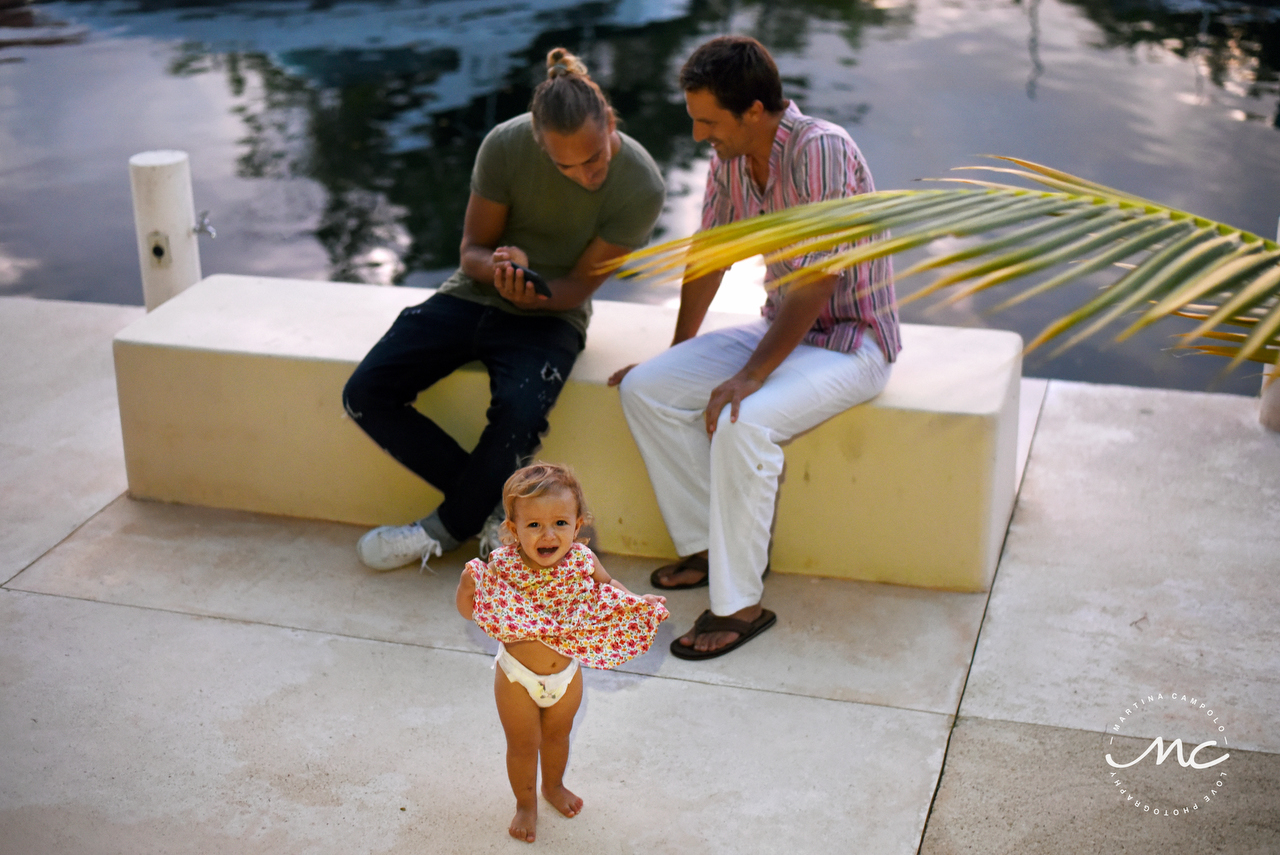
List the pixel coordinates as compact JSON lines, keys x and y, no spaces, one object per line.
{"x":535,"y":480}
{"x":568,"y":97}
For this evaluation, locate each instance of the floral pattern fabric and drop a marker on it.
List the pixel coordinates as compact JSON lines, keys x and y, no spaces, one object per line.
{"x":562,"y":606}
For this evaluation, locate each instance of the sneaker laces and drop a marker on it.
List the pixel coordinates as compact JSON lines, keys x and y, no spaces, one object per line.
{"x":491,"y":532}
{"x":432,"y":549}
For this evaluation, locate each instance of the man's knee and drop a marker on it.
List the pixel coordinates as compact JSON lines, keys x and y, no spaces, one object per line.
{"x":374,"y":386}
{"x":354,"y":396}
{"x":640,"y":383}
{"x":365,"y":393}
{"x":627,"y":388}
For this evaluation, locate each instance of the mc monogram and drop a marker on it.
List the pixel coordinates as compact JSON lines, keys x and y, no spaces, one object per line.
{"x":1162,"y":753}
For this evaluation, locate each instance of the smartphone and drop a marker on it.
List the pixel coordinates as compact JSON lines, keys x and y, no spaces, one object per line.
{"x":539,"y":284}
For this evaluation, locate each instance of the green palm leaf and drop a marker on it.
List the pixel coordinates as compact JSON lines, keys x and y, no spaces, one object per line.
{"x":1170,"y":262}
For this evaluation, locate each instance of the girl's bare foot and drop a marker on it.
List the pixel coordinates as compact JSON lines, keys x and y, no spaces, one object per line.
{"x":563,"y":800}
{"x":523,"y":823}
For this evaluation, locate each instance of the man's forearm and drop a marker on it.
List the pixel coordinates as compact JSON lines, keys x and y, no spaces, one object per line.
{"x":800,"y":308}
{"x":477,"y":262}
{"x":695,"y":299}
{"x":568,"y":292}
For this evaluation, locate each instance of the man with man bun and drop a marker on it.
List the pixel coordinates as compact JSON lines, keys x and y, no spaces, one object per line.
{"x":558,"y":190}
{"x":709,"y":414}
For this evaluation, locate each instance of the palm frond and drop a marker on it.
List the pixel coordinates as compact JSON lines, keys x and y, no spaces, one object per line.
{"x":1170,"y":262}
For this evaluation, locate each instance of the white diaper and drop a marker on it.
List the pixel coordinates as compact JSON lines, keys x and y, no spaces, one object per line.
{"x":545,"y":689}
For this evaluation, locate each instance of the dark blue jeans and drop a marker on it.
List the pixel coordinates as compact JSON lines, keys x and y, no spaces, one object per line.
{"x":528,"y":359}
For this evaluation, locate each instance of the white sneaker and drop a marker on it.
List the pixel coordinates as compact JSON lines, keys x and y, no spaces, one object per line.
{"x":491,"y":534}
{"x":390,"y":546}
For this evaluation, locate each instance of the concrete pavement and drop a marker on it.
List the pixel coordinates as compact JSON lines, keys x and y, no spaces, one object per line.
{"x":180,"y":679}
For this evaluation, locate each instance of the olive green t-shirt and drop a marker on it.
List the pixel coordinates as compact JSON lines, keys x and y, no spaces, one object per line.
{"x":553,"y":219}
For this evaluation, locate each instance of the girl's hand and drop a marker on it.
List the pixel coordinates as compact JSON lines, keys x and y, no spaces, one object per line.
{"x":654,"y":600}
{"x":466,"y":596}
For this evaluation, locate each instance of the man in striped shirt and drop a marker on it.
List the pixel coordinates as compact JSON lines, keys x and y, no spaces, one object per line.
{"x":709,"y":414}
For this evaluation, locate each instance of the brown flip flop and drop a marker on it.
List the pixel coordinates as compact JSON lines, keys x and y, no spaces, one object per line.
{"x":707,"y":622}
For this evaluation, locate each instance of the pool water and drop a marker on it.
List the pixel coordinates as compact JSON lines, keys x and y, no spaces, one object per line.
{"x":334,"y":140}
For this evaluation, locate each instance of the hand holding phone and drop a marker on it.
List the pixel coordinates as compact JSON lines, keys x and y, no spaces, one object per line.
{"x":539,"y":284}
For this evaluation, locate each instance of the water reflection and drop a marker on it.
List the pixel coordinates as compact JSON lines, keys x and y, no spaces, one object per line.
{"x":22,"y":26}
{"x":1033,"y":47}
{"x":390,"y":131}
{"x":1233,"y":47}
{"x":335,"y":139}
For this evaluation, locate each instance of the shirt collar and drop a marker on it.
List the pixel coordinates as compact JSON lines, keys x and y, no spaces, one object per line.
{"x":790,"y":116}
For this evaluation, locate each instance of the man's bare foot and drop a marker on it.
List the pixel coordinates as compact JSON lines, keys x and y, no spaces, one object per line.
{"x":680,"y":578}
{"x":689,"y":572}
{"x":524,"y":823}
{"x":706,"y":641}
{"x":563,"y":800}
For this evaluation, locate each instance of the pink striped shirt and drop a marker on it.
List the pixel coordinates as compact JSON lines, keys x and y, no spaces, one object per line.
{"x":812,"y":160}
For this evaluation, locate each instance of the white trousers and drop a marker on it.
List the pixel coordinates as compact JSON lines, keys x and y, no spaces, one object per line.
{"x":718,"y":493}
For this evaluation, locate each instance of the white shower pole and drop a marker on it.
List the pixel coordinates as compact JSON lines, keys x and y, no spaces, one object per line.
{"x":164,"y":217}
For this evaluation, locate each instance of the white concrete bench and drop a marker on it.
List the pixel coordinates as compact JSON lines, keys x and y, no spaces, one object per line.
{"x":230,"y":396}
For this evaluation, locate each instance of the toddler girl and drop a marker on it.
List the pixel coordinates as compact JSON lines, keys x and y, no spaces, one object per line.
{"x":547,"y":600}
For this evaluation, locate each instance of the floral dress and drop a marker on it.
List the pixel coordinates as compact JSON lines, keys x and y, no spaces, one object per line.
{"x":562,"y":606}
